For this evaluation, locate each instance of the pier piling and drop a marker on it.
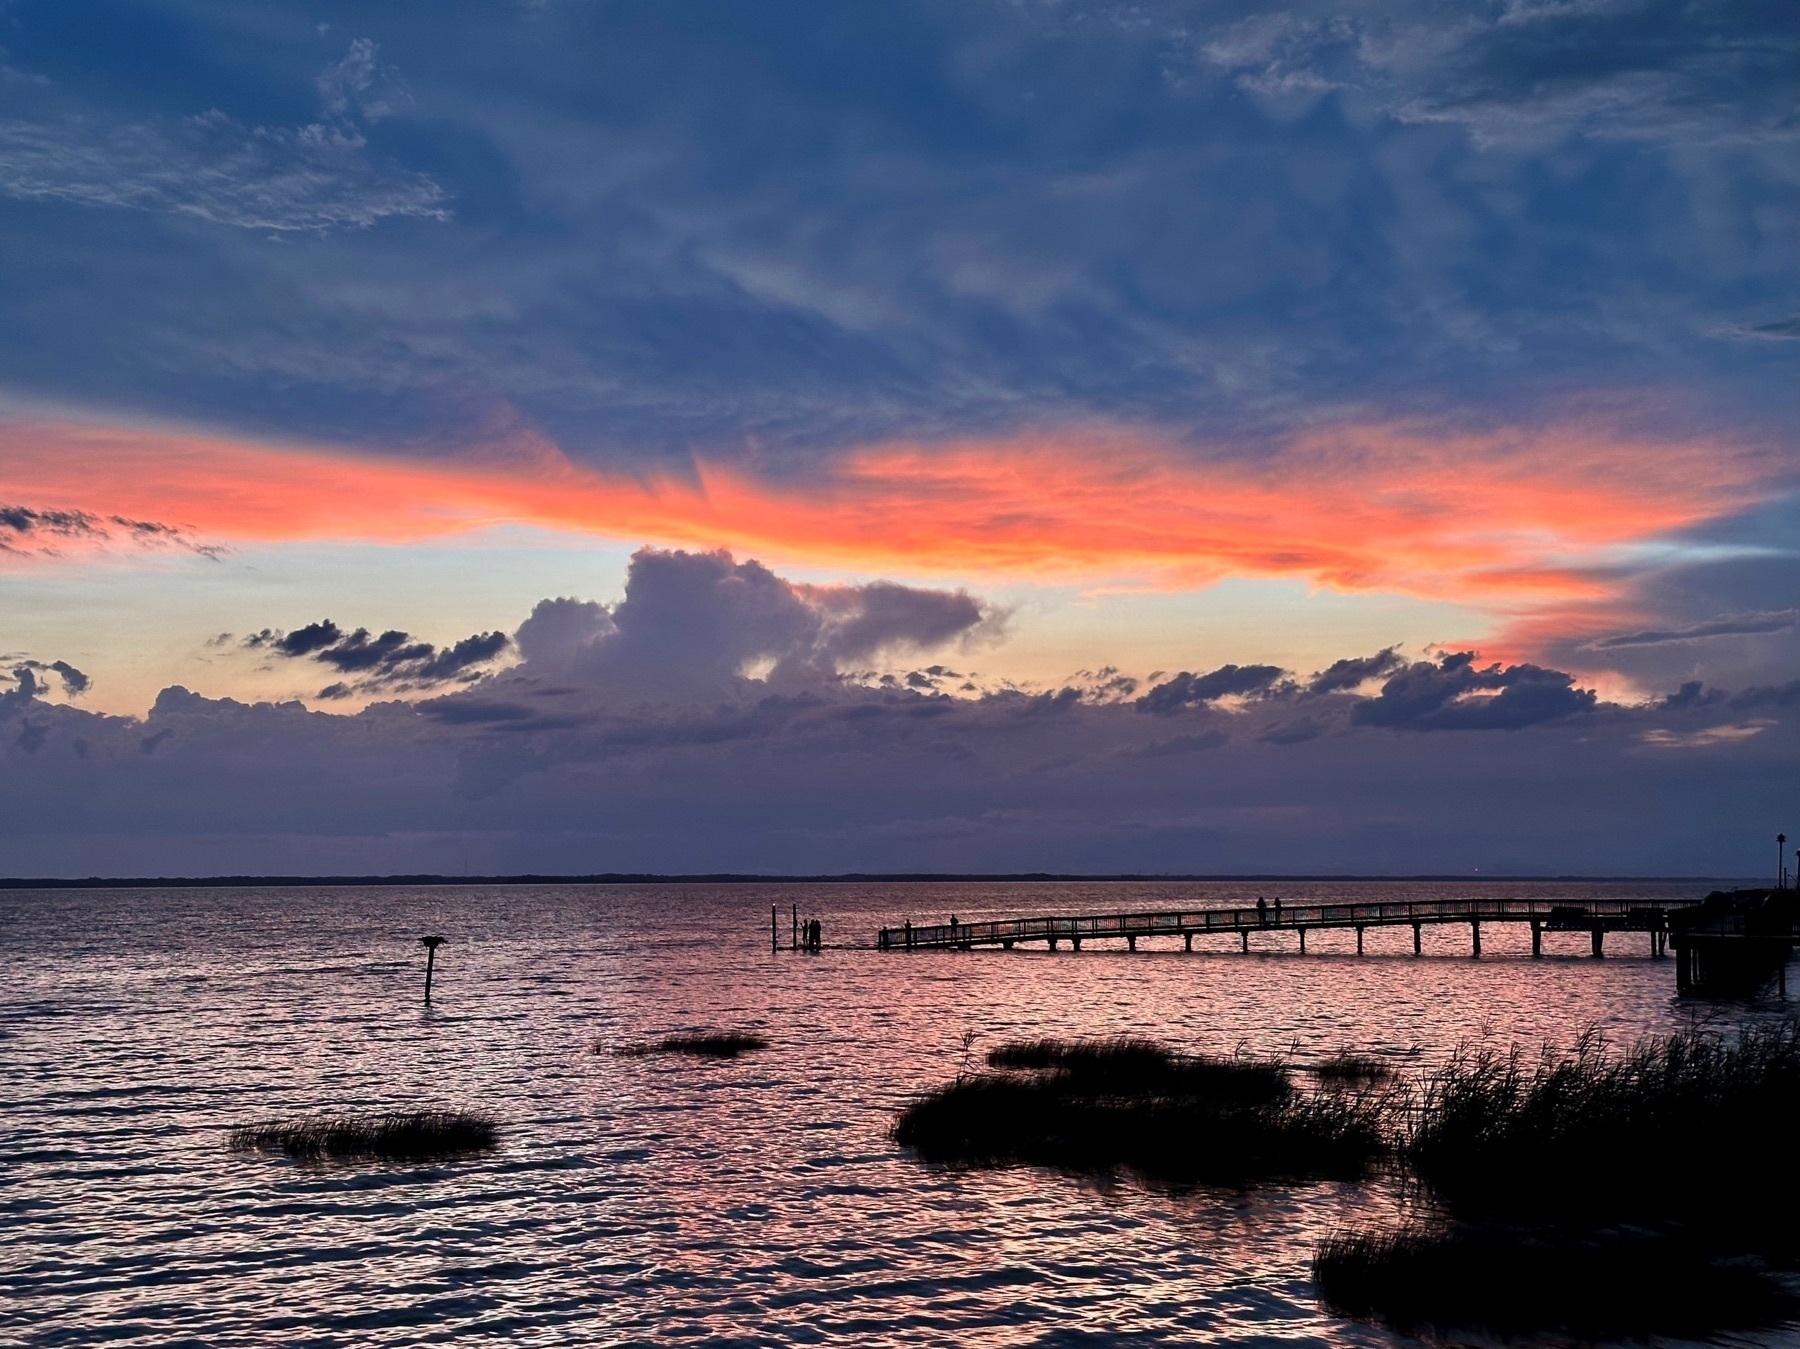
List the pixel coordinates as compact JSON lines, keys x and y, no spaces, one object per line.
{"x":1475,"y":940}
{"x":431,"y":945}
{"x":1418,"y":941}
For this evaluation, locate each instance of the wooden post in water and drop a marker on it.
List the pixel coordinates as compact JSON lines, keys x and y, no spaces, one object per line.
{"x":1599,"y":941}
{"x":1537,"y":939}
{"x":431,"y":945}
{"x":1131,"y":943}
{"x":774,"y":928}
{"x":1475,"y":939}
{"x":1359,"y":940}
{"x":1188,"y":938}
{"x":1302,"y":932}
{"x":1245,"y":934}
{"x":1418,"y":949}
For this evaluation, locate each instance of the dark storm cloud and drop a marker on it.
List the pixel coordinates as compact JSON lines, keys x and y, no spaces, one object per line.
{"x":28,"y":686}
{"x":1694,"y":693}
{"x":393,"y":661}
{"x":1355,"y":670}
{"x":1192,"y":690}
{"x":1778,"y":695}
{"x":1454,"y":694}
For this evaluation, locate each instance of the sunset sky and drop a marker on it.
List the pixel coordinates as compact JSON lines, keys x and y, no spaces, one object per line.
{"x":1000,"y":435}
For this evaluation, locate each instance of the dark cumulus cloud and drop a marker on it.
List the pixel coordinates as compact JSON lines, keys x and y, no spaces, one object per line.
{"x":1454,"y":694}
{"x":24,"y":530}
{"x":394,"y":661}
{"x":27,"y":685}
{"x":1192,"y":690}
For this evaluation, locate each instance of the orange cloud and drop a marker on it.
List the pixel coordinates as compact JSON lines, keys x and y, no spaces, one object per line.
{"x":1517,"y":520}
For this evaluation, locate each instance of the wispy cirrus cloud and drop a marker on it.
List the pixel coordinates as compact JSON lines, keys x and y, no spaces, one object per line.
{"x":1741,"y":625}
{"x":209,"y":165}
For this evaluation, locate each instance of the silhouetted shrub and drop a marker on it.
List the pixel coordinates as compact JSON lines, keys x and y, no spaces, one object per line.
{"x":718,"y":1045}
{"x":401,"y":1135}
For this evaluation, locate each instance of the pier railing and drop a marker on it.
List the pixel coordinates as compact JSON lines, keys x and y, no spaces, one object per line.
{"x":1593,"y":915}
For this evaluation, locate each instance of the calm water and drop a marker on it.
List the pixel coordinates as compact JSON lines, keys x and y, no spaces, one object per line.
{"x":656,"y":1200}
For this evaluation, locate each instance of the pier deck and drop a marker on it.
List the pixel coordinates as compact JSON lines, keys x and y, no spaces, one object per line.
{"x":1596,"y":917}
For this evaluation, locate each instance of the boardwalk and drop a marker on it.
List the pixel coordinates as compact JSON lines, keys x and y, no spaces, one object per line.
{"x":1595,"y":917}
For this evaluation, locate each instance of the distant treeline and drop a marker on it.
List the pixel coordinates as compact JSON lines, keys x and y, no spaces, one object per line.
{"x":762,"y":878}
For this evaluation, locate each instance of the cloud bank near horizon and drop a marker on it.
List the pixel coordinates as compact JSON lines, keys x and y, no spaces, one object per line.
{"x":635,"y":738}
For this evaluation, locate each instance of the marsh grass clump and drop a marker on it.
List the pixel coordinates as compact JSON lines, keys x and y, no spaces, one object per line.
{"x":1610,"y":1284}
{"x":1097,"y":1105}
{"x":397,"y":1135}
{"x":1353,"y":1069}
{"x":713,"y":1045}
{"x":1603,"y":1135}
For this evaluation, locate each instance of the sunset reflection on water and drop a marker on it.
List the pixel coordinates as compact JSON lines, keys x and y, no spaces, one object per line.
{"x":748,"y":1201}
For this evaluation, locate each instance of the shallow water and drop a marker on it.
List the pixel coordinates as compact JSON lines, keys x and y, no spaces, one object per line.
{"x":672,"y":1200}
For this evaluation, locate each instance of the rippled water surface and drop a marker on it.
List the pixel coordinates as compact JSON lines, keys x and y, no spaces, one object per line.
{"x":662,"y":1200}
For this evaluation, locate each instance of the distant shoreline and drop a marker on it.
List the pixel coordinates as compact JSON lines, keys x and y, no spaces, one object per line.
{"x":752,"y":878}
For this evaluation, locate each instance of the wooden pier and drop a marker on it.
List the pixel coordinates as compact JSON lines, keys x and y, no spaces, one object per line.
{"x":1595,"y":917}
{"x":1736,"y":941}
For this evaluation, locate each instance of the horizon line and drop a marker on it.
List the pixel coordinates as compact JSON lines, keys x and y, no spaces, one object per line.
{"x":776,"y":878}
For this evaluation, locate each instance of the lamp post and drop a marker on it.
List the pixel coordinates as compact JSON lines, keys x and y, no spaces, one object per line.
{"x":431,"y":945}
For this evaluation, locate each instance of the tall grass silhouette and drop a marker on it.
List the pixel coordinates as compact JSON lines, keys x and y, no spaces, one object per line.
{"x":1600,"y":1191}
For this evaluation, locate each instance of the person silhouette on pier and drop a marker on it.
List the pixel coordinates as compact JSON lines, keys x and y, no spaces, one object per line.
{"x":1277,"y":908}
{"x":1262,"y":910}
